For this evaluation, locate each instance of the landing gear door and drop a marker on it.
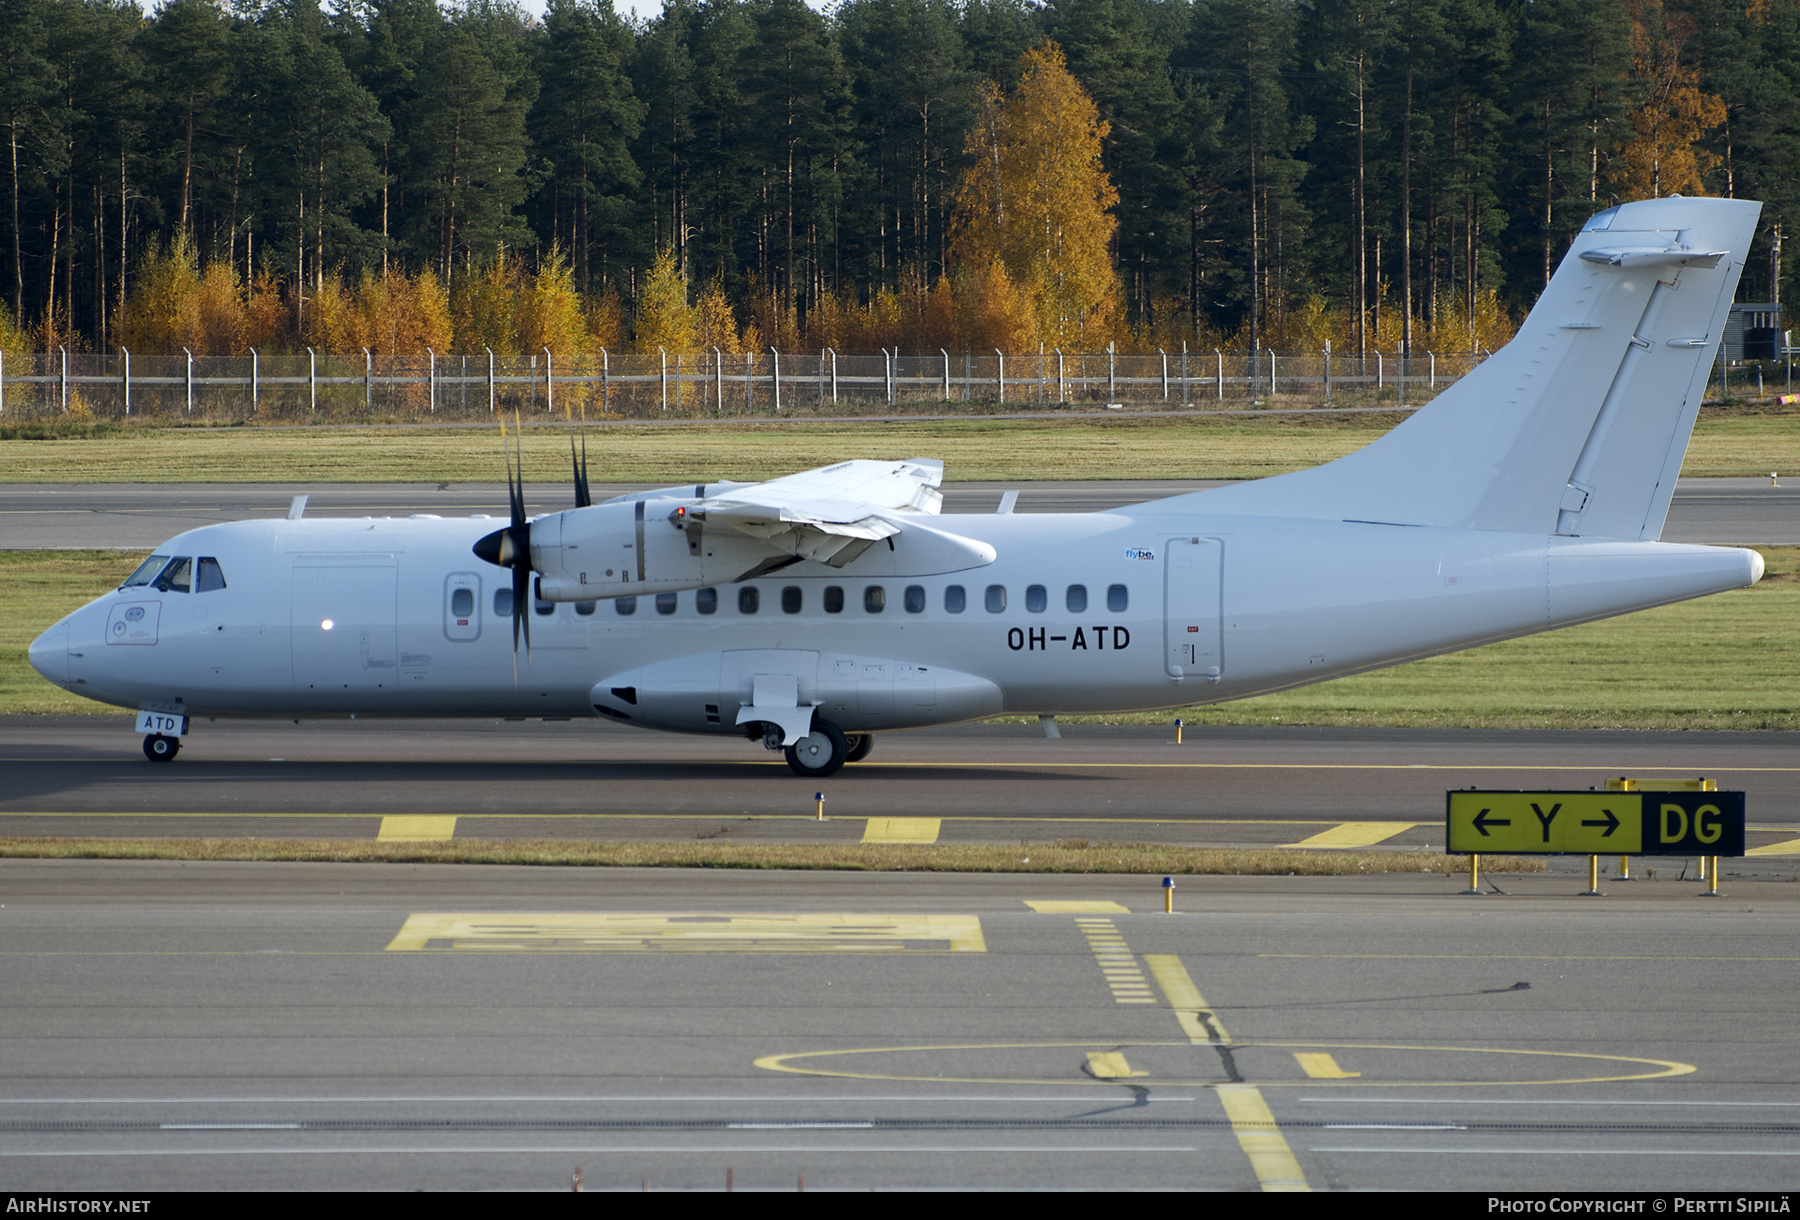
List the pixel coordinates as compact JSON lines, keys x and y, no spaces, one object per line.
{"x":1193,"y":642}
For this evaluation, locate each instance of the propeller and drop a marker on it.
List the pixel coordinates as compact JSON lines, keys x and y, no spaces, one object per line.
{"x":511,"y":547}
{"x":579,"y":465}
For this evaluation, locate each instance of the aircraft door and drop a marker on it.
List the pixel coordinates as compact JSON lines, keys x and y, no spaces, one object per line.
{"x":345,"y":609}
{"x":1193,"y":642}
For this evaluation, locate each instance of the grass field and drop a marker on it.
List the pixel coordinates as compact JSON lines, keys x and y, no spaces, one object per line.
{"x":1724,"y":662}
{"x":1737,"y":441}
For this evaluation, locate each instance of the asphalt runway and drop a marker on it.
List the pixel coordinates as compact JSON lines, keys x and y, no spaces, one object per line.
{"x":200,"y":1026}
{"x":1747,"y":512}
{"x":1223,"y":787}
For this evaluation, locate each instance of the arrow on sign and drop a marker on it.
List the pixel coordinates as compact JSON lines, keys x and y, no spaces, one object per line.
{"x":1611,"y":823}
{"x":1483,"y":821}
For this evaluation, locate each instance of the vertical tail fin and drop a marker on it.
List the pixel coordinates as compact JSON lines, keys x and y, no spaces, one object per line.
{"x":1579,"y":425}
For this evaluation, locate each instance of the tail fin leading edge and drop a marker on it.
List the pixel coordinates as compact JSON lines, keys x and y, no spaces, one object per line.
{"x":1579,"y":425}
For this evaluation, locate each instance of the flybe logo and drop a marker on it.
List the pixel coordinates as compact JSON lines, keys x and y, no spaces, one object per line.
{"x":1138,"y":552}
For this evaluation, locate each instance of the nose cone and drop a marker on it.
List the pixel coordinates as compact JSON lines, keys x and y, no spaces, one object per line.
{"x":50,"y":654}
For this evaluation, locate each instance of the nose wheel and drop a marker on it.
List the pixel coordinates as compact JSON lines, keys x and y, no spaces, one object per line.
{"x":158,"y":748}
{"x":820,"y":753}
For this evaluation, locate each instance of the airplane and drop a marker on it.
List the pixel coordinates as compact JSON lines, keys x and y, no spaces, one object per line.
{"x":812,"y":612}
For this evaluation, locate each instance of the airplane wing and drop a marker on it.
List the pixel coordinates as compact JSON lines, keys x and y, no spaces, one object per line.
{"x":829,"y":515}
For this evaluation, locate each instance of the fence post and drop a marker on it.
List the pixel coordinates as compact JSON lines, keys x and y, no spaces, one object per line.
{"x":749,"y":380}
{"x":1060,"y":388}
{"x":368,"y":381}
{"x":775,"y":376}
{"x":968,"y":373}
{"x":1001,"y":375}
{"x":1221,"y":379}
{"x":65,"y":379}
{"x":946,"y":356}
{"x":605,"y":383}
{"x":1165,"y":362}
{"x":887,"y":376}
{"x":665,"y":376}
{"x":1271,"y":374}
{"x":1040,"y":372}
{"x":493,"y":393}
{"x":190,"y":378}
{"x":255,"y":380}
{"x":833,"y":352}
{"x":1433,"y":358}
{"x":821,"y":376}
{"x":1402,"y":358}
{"x":1112,"y":389}
{"x":431,"y":381}
{"x":127,"y":378}
{"x":1184,"y":376}
{"x":1328,"y":372}
{"x":2,"y":383}
{"x":312,"y":380}
{"x":549,"y":382}
{"x":1380,"y":373}
{"x":718,"y":382}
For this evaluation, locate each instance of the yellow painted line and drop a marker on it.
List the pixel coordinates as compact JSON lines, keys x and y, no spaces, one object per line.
{"x":626,"y":932}
{"x":1320,"y":1066}
{"x":1787,"y":847}
{"x":1270,"y":1157}
{"x":1358,"y":834}
{"x":409,"y":827}
{"x":1185,"y":998}
{"x":901,"y":830}
{"x":1110,"y":1065}
{"x":1045,"y":906}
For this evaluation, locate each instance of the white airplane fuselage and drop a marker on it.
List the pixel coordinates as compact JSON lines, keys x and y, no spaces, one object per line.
{"x":345,"y":617}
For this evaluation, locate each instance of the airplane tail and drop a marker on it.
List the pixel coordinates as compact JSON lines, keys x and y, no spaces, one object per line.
{"x":1579,"y":425}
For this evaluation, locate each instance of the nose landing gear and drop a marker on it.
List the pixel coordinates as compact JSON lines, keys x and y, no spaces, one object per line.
{"x":158,"y":748}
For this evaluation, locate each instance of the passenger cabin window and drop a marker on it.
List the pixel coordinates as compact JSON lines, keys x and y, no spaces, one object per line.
{"x":502,"y":603}
{"x":790,"y":600}
{"x":585,"y":608}
{"x":1116,"y":598}
{"x":955,"y":600}
{"x":834,"y":599}
{"x":1036,"y":599}
{"x":462,"y":602}
{"x":544,"y":609}
{"x":665,"y":603}
{"x":146,"y":572}
{"x":874,"y":599}
{"x":1076,"y":599}
{"x":996,"y":598}
{"x":706,"y":601}
{"x":915,"y":599}
{"x":625,"y":605}
{"x":212,"y":576}
{"x":749,"y":600}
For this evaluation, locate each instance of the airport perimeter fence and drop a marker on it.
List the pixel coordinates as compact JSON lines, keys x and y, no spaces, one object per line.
{"x":310,"y":385}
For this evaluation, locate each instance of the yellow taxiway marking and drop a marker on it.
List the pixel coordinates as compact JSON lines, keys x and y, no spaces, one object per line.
{"x":901,"y":830}
{"x":411,"y":827}
{"x":1045,"y":906}
{"x":1110,"y":1065}
{"x":1117,"y":964}
{"x":1198,"y":1021}
{"x":1358,"y":834}
{"x":1787,"y":847}
{"x":630,"y":932}
{"x":1320,"y":1066}
{"x":1271,"y":1159}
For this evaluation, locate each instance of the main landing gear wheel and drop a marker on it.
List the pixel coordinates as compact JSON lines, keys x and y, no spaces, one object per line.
{"x":820,"y":753}
{"x":158,"y":748}
{"x":860,"y":745}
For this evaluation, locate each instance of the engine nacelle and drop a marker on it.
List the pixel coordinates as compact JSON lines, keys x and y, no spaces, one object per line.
{"x":632,"y":548}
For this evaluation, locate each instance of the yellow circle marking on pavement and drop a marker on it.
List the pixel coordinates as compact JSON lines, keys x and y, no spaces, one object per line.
{"x":1657,"y":1068}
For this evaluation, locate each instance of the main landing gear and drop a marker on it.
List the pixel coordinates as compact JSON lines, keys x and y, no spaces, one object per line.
{"x":158,"y":748}
{"x":822,"y":752}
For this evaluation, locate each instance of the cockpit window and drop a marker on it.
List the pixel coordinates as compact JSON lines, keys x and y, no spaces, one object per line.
{"x":178,"y":577}
{"x":146,"y":571}
{"x":212,"y":576}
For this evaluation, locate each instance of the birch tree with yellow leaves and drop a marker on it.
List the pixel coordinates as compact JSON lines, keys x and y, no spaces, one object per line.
{"x":1036,"y":201}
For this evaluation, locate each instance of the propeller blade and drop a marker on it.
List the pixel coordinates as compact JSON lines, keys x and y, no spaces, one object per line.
{"x":583,"y":498}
